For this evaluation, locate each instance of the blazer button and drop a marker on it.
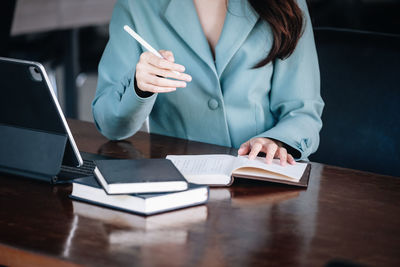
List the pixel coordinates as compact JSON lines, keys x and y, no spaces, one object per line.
{"x":213,"y":104}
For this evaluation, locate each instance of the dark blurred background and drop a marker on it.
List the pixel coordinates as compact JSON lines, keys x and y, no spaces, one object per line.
{"x":79,"y":47}
{"x":366,"y":15}
{"x":69,"y":36}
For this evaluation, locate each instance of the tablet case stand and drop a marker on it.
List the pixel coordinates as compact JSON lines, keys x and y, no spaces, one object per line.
{"x":31,"y":153}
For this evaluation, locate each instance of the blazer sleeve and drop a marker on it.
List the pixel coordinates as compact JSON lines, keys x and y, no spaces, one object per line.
{"x":295,"y":99}
{"x":117,"y":110}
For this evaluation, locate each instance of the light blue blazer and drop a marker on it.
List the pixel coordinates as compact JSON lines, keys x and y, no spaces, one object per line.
{"x":227,"y":102}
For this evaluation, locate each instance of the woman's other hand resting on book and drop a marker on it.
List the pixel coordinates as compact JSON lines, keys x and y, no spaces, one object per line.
{"x":152,"y":73}
{"x":272,"y":149}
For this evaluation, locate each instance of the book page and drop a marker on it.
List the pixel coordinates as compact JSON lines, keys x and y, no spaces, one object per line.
{"x":274,"y":170}
{"x":211,"y":169}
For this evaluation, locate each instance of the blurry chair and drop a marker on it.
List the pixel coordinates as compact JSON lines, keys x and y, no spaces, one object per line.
{"x":360,"y":84}
{"x":6,"y":16}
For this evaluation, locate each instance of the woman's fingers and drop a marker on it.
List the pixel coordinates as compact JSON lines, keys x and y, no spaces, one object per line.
{"x":244,"y":148}
{"x":255,"y":149}
{"x":152,"y":73}
{"x":155,"y":89}
{"x":168,"y":55}
{"x":291,"y":159}
{"x":168,"y":74}
{"x":162,"y":82}
{"x":161,"y":63}
{"x":272,"y":148}
{"x":282,"y":155}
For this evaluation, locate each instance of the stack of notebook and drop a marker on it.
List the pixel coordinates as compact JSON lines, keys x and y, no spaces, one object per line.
{"x":145,"y":186}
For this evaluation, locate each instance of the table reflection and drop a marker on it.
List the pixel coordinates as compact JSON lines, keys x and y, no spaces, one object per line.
{"x":219,"y":233}
{"x":120,"y":149}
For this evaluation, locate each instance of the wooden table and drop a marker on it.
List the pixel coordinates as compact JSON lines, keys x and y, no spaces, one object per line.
{"x":344,"y":215}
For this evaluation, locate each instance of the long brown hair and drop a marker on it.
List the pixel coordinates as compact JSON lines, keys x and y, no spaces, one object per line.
{"x":286,"y":21}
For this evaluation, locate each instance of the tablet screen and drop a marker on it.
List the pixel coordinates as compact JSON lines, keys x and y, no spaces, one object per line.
{"x":28,"y":101}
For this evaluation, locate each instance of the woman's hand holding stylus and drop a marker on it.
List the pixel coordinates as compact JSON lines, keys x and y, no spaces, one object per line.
{"x":160,"y":75}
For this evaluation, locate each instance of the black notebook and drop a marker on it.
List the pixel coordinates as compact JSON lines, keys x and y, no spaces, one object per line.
{"x":89,"y":190}
{"x":126,"y":176}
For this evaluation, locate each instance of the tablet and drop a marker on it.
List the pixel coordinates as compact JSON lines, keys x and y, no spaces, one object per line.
{"x":27,"y":100}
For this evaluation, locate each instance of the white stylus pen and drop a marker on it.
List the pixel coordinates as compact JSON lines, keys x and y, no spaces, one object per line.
{"x":143,"y":43}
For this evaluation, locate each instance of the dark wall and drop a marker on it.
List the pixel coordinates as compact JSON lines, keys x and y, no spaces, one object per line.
{"x":367,"y":15}
{"x":6,"y":15}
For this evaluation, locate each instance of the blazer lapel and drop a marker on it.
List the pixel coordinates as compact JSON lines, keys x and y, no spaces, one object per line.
{"x":240,"y":20}
{"x":183,"y":18}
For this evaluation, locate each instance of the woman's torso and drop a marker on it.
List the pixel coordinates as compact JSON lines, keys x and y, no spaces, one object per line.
{"x":227,"y":101}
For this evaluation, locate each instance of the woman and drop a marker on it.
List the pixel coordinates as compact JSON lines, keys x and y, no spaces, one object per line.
{"x":246,"y":75}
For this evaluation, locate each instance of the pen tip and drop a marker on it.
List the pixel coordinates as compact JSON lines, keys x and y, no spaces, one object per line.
{"x":126,"y":27}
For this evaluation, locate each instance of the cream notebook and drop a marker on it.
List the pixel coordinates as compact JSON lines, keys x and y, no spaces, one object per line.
{"x":218,"y":169}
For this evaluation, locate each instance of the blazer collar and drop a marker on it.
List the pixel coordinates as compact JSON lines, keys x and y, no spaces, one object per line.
{"x":183,"y":18}
{"x":239,"y":21}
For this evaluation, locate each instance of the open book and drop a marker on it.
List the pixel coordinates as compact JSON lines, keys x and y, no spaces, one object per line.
{"x":221,"y":169}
